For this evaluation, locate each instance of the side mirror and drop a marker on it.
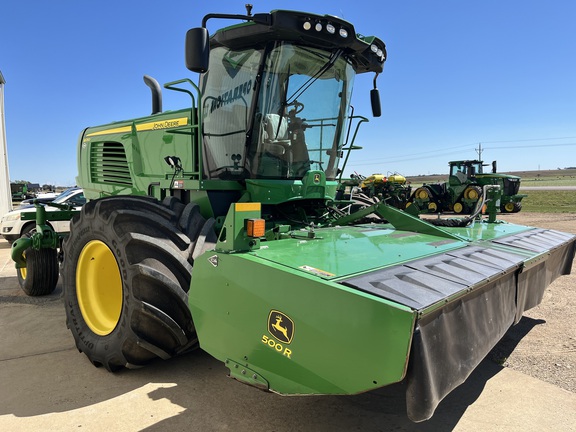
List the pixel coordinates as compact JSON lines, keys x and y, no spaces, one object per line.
{"x":494,"y":168}
{"x":375,"y":101}
{"x":197,"y":49}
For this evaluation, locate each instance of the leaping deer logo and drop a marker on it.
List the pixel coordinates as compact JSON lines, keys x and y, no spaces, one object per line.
{"x":281,"y":326}
{"x":278,"y":327}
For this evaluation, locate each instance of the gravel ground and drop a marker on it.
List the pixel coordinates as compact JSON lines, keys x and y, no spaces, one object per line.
{"x":543,"y":343}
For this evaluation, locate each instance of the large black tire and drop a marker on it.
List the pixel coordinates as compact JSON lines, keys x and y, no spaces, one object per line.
{"x":126,"y":274}
{"x":40,"y":275}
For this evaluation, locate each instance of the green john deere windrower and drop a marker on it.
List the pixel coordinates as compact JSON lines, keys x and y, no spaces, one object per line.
{"x":216,"y":226}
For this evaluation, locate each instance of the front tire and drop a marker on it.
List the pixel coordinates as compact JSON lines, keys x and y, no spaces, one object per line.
{"x":126,"y":274}
{"x":40,"y":275}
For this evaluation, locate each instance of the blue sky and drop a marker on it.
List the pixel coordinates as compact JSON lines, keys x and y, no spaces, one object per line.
{"x":459,"y":73}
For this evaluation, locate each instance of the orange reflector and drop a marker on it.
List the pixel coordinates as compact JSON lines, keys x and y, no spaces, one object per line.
{"x":255,"y":227}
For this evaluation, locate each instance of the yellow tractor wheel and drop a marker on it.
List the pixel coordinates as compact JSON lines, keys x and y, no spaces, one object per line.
{"x":458,"y":208}
{"x":99,"y":287}
{"x":422,"y":194}
{"x":509,"y":207}
{"x":22,"y":271}
{"x":472,"y":193}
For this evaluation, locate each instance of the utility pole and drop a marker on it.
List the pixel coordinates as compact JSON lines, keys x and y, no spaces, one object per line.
{"x":479,"y":151}
{"x":5,"y":192}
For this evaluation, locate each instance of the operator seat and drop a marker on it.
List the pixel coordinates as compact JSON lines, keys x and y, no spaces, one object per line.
{"x":282,"y":151}
{"x":275,"y":139}
{"x":461,"y":176}
{"x":271,"y":157}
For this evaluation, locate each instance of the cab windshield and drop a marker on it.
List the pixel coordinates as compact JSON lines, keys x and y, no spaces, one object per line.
{"x":274,"y":113}
{"x":465,"y":170}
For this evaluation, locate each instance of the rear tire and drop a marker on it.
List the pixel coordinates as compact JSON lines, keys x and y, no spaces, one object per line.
{"x":126,"y":274}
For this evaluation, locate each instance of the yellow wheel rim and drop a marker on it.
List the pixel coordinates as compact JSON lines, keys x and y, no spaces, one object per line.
{"x":422,"y":194}
{"x":22,"y":270}
{"x":472,"y":194}
{"x":509,"y":207}
{"x":458,"y":208}
{"x":432,"y":207}
{"x":99,"y":287}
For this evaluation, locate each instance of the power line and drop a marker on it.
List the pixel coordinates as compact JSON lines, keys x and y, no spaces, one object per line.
{"x":449,"y":151}
{"x":446,"y":151}
{"x":437,"y":155}
{"x":525,"y":140}
{"x":529,"y":146}
{"x":416,"y":155}
{"x":396,"y":160}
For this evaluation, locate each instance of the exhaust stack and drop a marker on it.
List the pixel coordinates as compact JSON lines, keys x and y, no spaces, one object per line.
{"x":156,"y":94}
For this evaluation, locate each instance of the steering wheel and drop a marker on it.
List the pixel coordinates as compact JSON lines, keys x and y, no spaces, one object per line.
{"x":298,"y":107}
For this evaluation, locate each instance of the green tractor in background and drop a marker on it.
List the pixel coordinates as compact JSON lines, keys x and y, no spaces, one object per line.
{"x":20,"y":192}
{"x":217,"y":226}
{"x":464,"y":189}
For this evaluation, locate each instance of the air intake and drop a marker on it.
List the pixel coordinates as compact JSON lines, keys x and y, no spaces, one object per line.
{"x":108,"y":164}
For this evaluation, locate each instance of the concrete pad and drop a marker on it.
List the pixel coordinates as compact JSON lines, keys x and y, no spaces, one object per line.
{"x":46,"y":384}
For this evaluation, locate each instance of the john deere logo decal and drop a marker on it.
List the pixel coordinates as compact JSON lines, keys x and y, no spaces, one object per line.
{"x":316,"y":178}
{"x":280,"y":326}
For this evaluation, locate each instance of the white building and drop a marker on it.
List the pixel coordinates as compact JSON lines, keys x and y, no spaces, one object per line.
{"x":5,"y":193}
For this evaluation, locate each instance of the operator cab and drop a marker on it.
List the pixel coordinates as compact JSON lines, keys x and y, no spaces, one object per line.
{"x":462,"y":171}
{"x":279,"y":111}
{"x":276,"y":95}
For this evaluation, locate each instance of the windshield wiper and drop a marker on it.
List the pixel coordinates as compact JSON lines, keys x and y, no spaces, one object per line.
{"x":335,"y":56}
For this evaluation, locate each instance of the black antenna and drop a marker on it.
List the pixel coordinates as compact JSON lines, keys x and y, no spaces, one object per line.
{"x":248,"y":9}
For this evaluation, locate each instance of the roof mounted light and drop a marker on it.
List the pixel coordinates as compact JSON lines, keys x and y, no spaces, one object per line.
{"x":343,"y":33}
{"x":318,"y":27}
{"x":330,"y":28}
{"x":374,"y":48}
{"x":307,"y":25}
